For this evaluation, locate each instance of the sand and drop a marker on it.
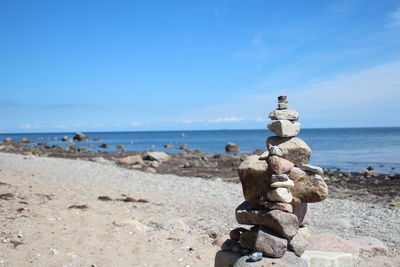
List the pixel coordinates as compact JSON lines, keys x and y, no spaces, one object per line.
{"x":165,"y":224}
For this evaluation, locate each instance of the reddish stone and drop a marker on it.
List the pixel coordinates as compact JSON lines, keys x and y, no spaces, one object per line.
{"x":279,"y":165}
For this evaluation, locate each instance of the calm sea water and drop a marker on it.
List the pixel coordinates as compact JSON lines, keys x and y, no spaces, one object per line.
{"x":350,"y":149}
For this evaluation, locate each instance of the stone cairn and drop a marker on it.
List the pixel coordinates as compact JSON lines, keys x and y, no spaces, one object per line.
{"x":277,"y":187}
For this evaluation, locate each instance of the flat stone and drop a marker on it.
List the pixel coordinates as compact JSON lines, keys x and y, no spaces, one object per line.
{"x":264,"y":241}
{"x":280,"y":194}
{"x":283,"y":223}
{"x":284,"y":128}
{"x":275,"y":150}
{"x":284,"y":114}
{"x":332,"y":242}
{"x":299,"y":242}
{"x":302,"y":212}
{"x":278,"y":206}
{"x":279,"y":165}
{"x":283,"y":106}
{"x":294,"y":149}
{"x":327,"y":258}
{"x":288,"y":260}
{"x":287,"y":184}
{"x":264,"y":156}
{"x":369,"y":244}
{"x":307,"y":188}
{"x":255,"y":178}
{"x":313,"y":169}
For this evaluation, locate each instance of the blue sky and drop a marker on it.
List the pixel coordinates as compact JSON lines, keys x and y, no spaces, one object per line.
{"x":166,"y":65}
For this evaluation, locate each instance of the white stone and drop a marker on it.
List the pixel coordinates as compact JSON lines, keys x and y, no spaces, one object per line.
{"x":284,"y":128}
{"x":316,"y":258}
{"x":313,"y":169}
{"x":280,"y":194}
{"x":288,"y":184}
{"x":283,"y":105}
{"x":284,"y":114}
{"x":264,"y":155}
{"x":281,"y":180}
{"x":275,"y":150}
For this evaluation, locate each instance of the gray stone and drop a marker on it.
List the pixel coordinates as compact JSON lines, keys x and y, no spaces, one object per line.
{"x":288,"y":260}
{"x":284,"y":128}
{"x":255,"y":178}
{"x":282,"y":99}
{"x":265,"y":241}
{"x":264,"y":155}
{"x":299,"y":242}
{"x":283,"y":223}
{"x":284,"y":114}
{"x":275,"y":150}
{"x":156,"y":155}
{"x":283,"y":106}
{"x":232,"y":147}
{"x":255,"y":256}
{"x":307,"y":188}
{"x":313,"y":169}
{"x":281,"y":180}
{"x":293,"y":148}
{"x":302,"y":212}
{"x":80,"y":137}
{"x":235,"y":233}
{"x":229,"y":244}
{"x":226,"y":258}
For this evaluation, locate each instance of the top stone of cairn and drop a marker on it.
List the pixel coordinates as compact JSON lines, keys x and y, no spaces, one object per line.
{"x":283,"y":112}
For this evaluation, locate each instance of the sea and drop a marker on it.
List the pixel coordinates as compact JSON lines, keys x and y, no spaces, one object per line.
{"x":347,"y":149}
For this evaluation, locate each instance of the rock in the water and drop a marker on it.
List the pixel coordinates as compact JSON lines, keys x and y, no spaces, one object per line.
{"x":232,"y":147}
{"x":281,"y":180}
{"x":168,"y":145}
{"x":156,"y":155}
{"x":264,"y":241}
{"x":313,"y":169}
{"x":302,"y":212}
{"x":288,"y":260}
{"x":255,"y":178}
{"x":294,"y":149}
{"x":104,"y":145}
{"x":283,"y":223}
{"x":275,"y":150}
{"x":279,"y":165}
{"x":284,"y":114}
{"x":280,"y":194}
{"x":65,"y":138}
{"x":25,"y":140}
{"x":307,"y":188}
{"x":327,"y":258}
{"x":8,"y":140}
{"x":131,"y":160}
{"x":80,"y":137}
{"x":299,"y":242}
{"x":284,"y":128}
{"x":120,"y":146}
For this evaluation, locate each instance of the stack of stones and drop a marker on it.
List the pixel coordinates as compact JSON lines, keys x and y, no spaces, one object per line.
{"x":277,"y":187}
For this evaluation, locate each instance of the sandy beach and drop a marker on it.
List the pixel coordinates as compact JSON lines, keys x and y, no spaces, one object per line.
{"x":51,"y":216}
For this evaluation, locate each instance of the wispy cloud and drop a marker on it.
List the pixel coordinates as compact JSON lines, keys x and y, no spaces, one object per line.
{"x":394,"y":19}
{"x":224,"y":120}
{"x":28,"y":126}
{"x":135,"y":123}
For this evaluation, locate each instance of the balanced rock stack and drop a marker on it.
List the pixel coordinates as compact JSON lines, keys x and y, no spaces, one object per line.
{"x":277,"y":187}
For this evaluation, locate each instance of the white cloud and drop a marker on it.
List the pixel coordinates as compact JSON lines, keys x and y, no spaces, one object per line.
{"x":394,"y":18}
{"x":28,"y":126}
{"x":135,"y":123}
{"x":223,"y":120}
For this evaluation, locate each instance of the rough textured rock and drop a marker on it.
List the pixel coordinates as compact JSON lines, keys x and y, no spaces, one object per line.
{"x":307,"y":188}
{"x":156,"y":155}
{"x":284,"y":114}
{"x":131,"y":160}
{"x":332,"y":242}
{"x":313,"y":169}
{"x":275,"y":150}
{"x":327,"y":258}
{"x":280,"y":194}
{"x":284,"y":128}
{"x":80,"y":137}
{"x":283,"y":223}
{"x":232,"y":147}
{"x":255,"y":178}
{"x":294,"y":149}
{"x":302,"y":212}
{"x":288,"y":260}
{"x":279,"y":165}
{"x":265,"y":241}
{"x":299,"y":242}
